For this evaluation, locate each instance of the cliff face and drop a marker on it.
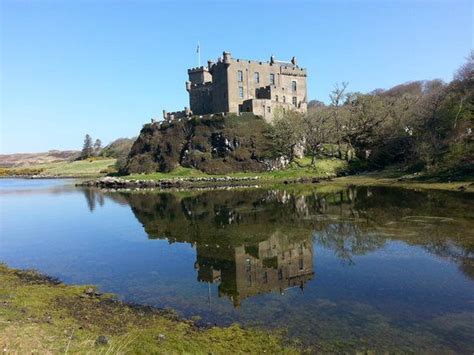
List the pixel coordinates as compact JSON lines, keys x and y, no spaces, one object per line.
{"x":211,"y":144}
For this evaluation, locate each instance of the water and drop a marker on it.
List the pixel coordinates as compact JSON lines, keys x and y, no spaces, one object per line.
{"x":363,"y":268}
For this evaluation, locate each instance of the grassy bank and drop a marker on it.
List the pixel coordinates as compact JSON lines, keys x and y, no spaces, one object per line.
{"x":323,"y":169}
{"x":79,"y":168}
{"x":397,"y":179}
{"x":302,"y":168}
{"x":38,"y":314}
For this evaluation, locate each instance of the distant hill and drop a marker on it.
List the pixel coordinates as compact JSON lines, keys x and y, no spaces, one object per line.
{"x":28,"y":159}
{"x":119,"y":148}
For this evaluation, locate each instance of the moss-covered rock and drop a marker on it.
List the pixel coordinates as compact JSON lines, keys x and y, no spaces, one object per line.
{"x":211,"y":144}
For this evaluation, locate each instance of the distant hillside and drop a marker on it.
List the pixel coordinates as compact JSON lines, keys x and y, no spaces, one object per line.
{"x":28,"y":159}
{"x":118,"y":148}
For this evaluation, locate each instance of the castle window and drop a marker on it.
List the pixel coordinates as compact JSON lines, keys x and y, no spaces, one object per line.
{"x":301,"y":264}
{"x":276,"y":98}
{"x":294,"y":101}
{"x":240,"y":76}
{"x":241,"y":92}
{"x":293,"y":86}
{"x":269,"y":109}
{"x":284,"y":99}
{"x":272,"y":79}
{"x":256,"y":77}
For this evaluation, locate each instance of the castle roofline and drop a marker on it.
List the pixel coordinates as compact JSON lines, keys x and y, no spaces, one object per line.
{"x":198,"y":69}
{"x":280,"y":63}
{"x":283,"y":62}
{"x":277,"y":62}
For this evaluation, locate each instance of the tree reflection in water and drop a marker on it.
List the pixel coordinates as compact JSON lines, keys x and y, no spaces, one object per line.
{"x":336,"y":250}
{"x":257,"y":241}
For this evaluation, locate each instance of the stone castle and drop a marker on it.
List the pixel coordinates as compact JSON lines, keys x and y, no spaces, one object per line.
{"x":237,"y":85}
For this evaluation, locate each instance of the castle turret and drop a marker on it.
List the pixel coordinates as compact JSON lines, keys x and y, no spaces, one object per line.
{"x":226,"y":57}
{"x":199,"y":75}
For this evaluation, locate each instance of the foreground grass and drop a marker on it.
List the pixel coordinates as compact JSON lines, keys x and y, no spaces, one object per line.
{"x":38,"y":315}
{"x":302,"y":168}
{"x":79,"y":168}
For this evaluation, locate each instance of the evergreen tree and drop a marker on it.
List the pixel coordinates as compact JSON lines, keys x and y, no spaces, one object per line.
{"x":87,"y":148}
{"x":97,"y":146}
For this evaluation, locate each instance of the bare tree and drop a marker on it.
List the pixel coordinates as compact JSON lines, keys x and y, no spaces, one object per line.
{"x":367,"y":114}
{"x":287,"y":132}
{"x":338,"y":97}
{"x":316,"y":130}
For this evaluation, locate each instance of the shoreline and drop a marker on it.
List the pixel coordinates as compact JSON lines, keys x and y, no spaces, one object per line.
{"x":39,"y":313}
{"x":51,"y":177}
{"x":219,"y":182}
{"x":229,"y":181}
{"x":119,"y":183}
{"x":406,"y":183}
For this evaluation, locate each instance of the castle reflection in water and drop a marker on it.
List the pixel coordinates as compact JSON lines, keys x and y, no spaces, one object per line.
{"x":271,"y":265}
{"x":248,"y":242}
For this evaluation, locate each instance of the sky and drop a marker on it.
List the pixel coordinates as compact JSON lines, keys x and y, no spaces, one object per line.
{"x":107,"y":67}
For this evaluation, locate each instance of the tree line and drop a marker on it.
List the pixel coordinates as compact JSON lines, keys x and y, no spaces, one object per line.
{"x":90,"y":149}
{"x":421,"y":125}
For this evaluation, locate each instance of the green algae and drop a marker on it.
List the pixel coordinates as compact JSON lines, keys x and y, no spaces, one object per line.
{"x":38,"y":314}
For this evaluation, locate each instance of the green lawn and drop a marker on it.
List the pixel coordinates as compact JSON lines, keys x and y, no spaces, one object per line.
{"x":79,"y":168}
{"x":301,"y":169}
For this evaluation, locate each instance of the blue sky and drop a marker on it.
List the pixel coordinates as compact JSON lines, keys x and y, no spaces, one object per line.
{"x":106,"y":67}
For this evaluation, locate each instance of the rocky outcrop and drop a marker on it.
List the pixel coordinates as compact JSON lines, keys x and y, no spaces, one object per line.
{"x":216,"y":145}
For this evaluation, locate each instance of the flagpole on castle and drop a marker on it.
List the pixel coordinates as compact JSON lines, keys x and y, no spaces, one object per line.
{"x":198,"y":51}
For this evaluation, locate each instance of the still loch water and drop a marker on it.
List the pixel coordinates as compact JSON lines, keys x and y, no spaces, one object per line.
{"x":362,"y":268}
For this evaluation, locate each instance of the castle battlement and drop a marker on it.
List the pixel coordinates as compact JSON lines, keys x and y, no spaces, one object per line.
{"x":240,"y":85}
{"x":295,"y":71}
{"x":197,"y":69}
